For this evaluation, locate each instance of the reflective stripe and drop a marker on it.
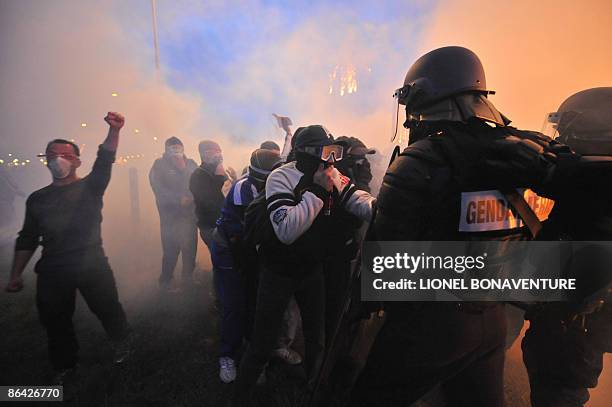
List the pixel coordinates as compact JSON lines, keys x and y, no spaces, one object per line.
{"x":281,"y":202}
{"x":238,"y":191}
{"x":278,"y":197}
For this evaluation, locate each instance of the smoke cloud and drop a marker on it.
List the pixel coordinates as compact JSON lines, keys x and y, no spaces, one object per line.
{"x":536,"y":54}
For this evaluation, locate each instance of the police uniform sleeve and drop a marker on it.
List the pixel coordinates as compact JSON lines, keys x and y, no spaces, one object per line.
{"x":404,"y":201}
{"x":29,"y":236}
{"x":290,"y":218}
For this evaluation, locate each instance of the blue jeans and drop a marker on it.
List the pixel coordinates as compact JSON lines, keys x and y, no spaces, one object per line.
{"x":231,"y":293}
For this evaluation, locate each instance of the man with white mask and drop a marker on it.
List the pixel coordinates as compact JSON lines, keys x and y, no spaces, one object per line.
{"x":169,"y":178}
{"x":205,"y":185}
{"x":65,"y":217}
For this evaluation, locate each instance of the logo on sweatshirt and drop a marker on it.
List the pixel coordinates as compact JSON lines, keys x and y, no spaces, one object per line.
{"x":279,"y":215}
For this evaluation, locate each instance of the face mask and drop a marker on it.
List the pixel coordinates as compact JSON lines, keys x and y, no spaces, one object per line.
{"x":59,"y":167}
{"x":175,"y":150}
{"x":215,"y":159}
{"x":307,"y":163}
{"x":363,"y":172}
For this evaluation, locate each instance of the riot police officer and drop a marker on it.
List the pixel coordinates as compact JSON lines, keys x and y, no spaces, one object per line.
{"x":564,"y":346}
{"x":460,"y":145}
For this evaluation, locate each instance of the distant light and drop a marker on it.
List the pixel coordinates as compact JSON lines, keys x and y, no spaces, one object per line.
{"x":28,"y":161}
{"x":155,"y":138}
{"x":1,"y":161}
{"x":83,"y":124}
{"x":72,"y":140}
{"x":15,"y":160}
{"x":42,"y":160}
{"x":114,"y":94}
{"x":136,"y":131}
{"x":10,"y":155}
{"x":23,"y":163}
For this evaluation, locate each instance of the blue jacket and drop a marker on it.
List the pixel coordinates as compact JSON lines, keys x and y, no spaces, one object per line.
{"x":240,"y":195}
{"x":227,"y":248}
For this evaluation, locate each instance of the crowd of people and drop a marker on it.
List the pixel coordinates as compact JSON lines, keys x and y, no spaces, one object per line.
{"x":285,"y":240}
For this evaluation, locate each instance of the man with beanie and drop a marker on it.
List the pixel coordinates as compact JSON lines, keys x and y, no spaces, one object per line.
{"x":205,"y":185}
{"x":266,"y":145}
{"x":342,"y":366}
{"x":169,"y":178}
{"x":270,"y":145}
{"x":302,"y":197}
{"x":230,"y":258}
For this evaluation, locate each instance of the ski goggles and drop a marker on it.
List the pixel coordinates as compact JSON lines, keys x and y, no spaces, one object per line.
{"x":332,"y":152}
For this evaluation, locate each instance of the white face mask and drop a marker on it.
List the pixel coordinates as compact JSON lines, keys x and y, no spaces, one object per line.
{"x":176,"y":150}
{"x":60,"y":167}
{"x":213,"y":158}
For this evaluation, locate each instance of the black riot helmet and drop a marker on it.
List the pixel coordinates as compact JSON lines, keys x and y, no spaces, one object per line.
{"x":584,"y":122}
{"x":446,"y":84}
{"x":441,"y":73}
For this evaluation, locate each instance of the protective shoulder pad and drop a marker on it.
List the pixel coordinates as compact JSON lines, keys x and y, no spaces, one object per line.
{"x":412,"y":168}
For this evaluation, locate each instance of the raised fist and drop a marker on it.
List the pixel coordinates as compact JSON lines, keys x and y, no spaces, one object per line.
{"x":115,"y":120}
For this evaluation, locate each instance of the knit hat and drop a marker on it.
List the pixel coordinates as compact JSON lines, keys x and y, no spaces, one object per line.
{"x":269,"y":145}
{"x":173,"y":141}
{"x":262,"y":163}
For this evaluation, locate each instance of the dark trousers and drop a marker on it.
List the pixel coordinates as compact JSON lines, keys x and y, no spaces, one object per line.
{"x":251,"y":285}
{"x":337,"y":279}
{"x":562,"y":366}
{"x":206,"y":233}
{"x":272,"y":300}
{"x":55,"y":300}
{"x":436,"y":344}
{"x":178,"y":236}
{"x":231,"y":293}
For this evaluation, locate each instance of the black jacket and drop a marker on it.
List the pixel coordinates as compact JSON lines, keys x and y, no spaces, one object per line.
{"x":170,"y":184}
{"x":206,"y":189}
{"x":432,"y":191}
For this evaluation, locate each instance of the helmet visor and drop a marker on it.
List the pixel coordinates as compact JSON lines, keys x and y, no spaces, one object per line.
{"x":398,"y":133}
{"x":584,"y":132}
